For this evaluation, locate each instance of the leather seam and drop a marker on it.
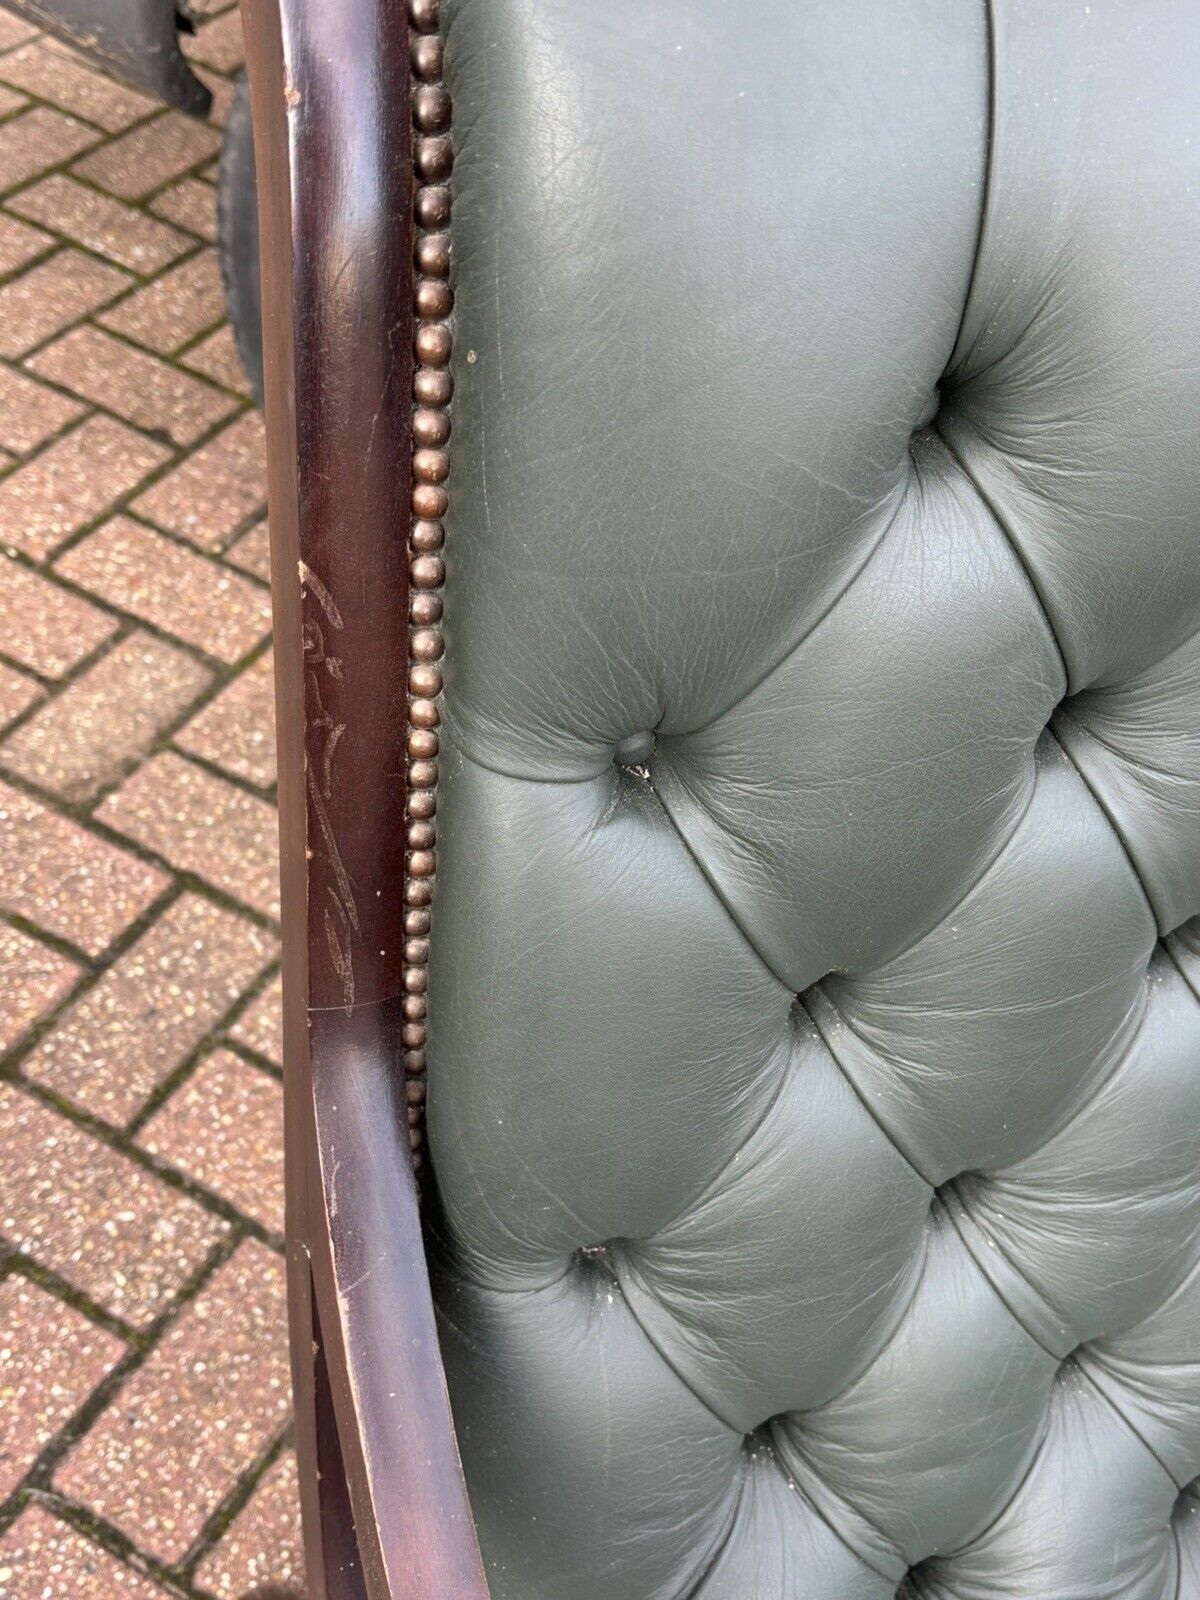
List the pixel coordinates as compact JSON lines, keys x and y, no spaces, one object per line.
{"x":1077,"y":1361}
{"x":1014,"y":545}
{"x":852,"y":1085}
{"x":711,"y":1184}
{"x":684,"y":1383}
{"x":709,"y":1564}
{"x":717,"y":890}
{"x":825,"y":612}
{"x":1098,"y":800}
{"x":799,"y":1490}
{"x":995,"y":1287}
{"x":956,"y":359}
{"x":1166,"y":942}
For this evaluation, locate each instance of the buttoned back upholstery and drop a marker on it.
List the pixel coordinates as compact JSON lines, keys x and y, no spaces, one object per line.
{"x":814,"y":1032}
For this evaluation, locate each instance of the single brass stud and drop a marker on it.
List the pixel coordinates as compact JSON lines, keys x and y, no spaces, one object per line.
{"x":414,"y":1061}
{"x":422,"y":775}
{"x":433,"y":344}
{"x":422,"y":863}
{"x":423,"y":804}
{"x":427,"y":537}
{"x":433,"y":254}
{"x":416,"y":951}
{"x":425,"y":608}
{"x":435,"y":298}
{"x":429,"y":500}
{"x":414,"y":1093}
{"x":424,"y":678}
{"x":433,"y":204}
{"x":434,"y":158}
{"x":427,"y":56}
{"x":424,"y":714}
{"x":431,"y":427}
{"x":431,"y":108}
{"x":423,"y":14}
{"x":431,"y":466}
{"x":432,"y":386}
{"x":427,"y":571}
{"x":422,"y":744}
{"x":427,"y":644}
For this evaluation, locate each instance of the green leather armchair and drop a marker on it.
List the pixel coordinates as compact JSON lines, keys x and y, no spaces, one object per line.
{"x":736,"y":512}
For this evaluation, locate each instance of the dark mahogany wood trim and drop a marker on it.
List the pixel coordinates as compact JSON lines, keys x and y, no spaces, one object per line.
{"x":385,"y":1508}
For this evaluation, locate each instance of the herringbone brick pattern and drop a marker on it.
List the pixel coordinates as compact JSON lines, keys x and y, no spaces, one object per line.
{"x":144,"y":1447}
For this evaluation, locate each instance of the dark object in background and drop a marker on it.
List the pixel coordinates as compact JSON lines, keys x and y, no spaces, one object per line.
{"x":137,"y":41}
{"x":134,"y":40}
{"x":237,"y":237}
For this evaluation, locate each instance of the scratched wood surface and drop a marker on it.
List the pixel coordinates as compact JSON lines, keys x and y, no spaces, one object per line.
{"x":385,"y":1509}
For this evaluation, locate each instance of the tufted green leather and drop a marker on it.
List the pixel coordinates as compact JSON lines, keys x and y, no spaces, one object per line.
{"x":814,"y":1022}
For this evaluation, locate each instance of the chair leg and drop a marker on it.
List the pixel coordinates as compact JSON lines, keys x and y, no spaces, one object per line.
{"x":331,"y":1554}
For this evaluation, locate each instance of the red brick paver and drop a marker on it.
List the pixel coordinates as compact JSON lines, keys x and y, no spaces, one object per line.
{"x":159,"y":581}
{"x":155,"y":1462}
{"x":224,"y":1128}
{"x":107,"y":719}
{"x":42,"y":1558}
{"x":51,"y":1358}
{"x":144,"y":1448}
{"x":263,"y":1545}
{"x":152,"y":1008}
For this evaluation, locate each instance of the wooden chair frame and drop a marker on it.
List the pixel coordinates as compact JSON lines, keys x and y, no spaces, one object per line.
{"x":385,"y":1509}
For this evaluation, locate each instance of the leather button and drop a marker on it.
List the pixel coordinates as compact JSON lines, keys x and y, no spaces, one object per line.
{"x":635,"y":749}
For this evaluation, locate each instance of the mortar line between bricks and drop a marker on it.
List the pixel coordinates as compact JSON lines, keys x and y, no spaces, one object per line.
{"x":96,"y":967}
{"x":170,"y":361}
{"x":243,"y":527}
{"x":38,"y":260}
{"x":12,"y":1062}
{"x":111,"y":1539}
{"x":64,"y":168}
{"x":142,"y":1345}
{"x":93,"y":408}
{"x":31,"y":1490}
{"x":218,"y":1523}
{"x":118,"y":298}
{"x":22,"y":1265}
{"x":121,"y":504}
{"x":118,"y":1142}
{"x":192,"y":243}
{"x":105,"y":139}
{"x":251,"y":1056}
{"x":161,"y":743}
{"x":129,"y":622}
{"x":184,"y":878}
{"x":57,"y":942}
{"x":184,"y":1068}
{"x":37,"y":1485}
{"x":77,"y":669}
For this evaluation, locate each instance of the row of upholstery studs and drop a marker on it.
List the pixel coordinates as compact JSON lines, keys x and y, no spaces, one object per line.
{"x":432,"y":388}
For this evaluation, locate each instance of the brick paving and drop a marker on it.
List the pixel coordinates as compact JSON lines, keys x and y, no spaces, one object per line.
{"x":145,"y":1445}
